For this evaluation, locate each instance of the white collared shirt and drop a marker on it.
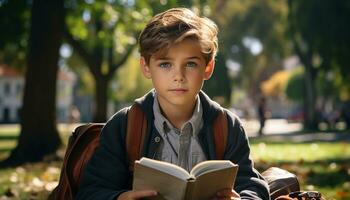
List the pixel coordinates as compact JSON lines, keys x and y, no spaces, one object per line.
{"x":180,"y":147}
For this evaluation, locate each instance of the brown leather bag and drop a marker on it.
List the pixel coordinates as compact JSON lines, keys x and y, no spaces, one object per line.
{"x":281,"y":182}
{"x":81,"y":145}
{"x":85,"y":139}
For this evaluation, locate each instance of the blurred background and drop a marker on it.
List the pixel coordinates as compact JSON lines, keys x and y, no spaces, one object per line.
{"x":282,"y":66}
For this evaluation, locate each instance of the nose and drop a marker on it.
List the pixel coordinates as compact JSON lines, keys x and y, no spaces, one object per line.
{"x":179,"y":74}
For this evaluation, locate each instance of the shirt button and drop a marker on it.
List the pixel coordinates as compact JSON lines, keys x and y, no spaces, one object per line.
{"x":157,"y":139}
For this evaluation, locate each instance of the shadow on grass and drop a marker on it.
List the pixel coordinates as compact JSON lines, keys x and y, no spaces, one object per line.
{"x":6,"y":142}
{"x":8,"y":137}
{"x":5,"y":149}
{"x":328,"y":179}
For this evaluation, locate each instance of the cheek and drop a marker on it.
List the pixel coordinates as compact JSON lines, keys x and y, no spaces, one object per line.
{"x":159,"y":80}
{"x":196,"y":80}
{"x":197,"y":76}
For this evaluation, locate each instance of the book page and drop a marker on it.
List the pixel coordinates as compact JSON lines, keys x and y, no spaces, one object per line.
{"x":168,"y":186}
{"x":211,"y":165}
{"x":210,"y":182}
{"x":165,"y":167}
{"x":174,"y":183}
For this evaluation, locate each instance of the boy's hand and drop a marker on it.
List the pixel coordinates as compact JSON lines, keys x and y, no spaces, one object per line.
{"x":226,"y":194}
{"x":137,"y":194}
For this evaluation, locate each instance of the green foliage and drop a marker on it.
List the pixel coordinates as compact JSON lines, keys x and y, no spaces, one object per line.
{"x":85,"y":80}
{"x":214,"y":86}
{"x":14,"y":22}
{"x":106,"y":24}
{"x":326,"y":85}
{"x":331,"y":85}
{"x":104,"y":33}
{"x":295,"y":87}
{"x":130,"y":82}
{"x":323,"y":26}
{"x":321,"y":33}
{"x":264,"y":23}
{"x":276,"y":84}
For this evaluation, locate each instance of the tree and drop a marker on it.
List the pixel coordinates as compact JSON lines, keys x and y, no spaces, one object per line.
{"x":104,"y":35}
{"x":253,"y":34}
{"x":295,"y":85}
{"x":214,"y":86}
{"x":319,"y":31}
{"x":219,"y":85}
{"x":14,"y":21}
{"x":39,"y":136}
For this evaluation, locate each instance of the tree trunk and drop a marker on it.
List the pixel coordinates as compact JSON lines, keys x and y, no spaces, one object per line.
{"x":101,"y":88}
{"x":310,"y":121}
{"x":39,"y":135}
{"x":304,"y":49}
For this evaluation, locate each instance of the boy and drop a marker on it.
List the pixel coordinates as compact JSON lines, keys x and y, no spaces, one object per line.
{"x":177,"y":53}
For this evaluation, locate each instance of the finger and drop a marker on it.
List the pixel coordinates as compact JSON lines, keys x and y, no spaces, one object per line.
{"x":226,"y":198}
{"x":143,"y":193}
{"x":227,"y":193}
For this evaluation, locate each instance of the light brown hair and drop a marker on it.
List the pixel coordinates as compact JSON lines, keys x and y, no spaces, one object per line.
{"x":175,"y":25}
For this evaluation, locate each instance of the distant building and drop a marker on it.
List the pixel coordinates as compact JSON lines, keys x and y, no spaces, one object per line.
{"x":11,"y":87}
{"x":65,"y":95}
{"x":11,"y":94}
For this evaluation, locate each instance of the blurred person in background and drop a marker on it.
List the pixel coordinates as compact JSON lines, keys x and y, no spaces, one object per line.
{"x":262,"y":114}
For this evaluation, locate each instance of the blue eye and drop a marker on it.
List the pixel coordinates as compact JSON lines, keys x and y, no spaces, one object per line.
{"x":165,"y":65}
{"x":191,"y":64}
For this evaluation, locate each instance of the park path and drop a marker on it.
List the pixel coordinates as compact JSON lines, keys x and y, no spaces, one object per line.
{"x":279,"y":130}
{"x":276,"y":130}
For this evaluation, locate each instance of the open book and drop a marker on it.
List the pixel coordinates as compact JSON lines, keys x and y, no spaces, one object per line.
{"x":175,"y":183}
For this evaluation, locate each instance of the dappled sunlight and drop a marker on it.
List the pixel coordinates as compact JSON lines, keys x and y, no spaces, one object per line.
{"x":292,"y":54}
{"x":310,"y":161}
{"x":30,"y":181}
{"x":318,"y":165}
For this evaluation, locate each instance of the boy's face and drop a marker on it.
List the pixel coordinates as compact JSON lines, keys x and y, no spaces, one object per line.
{"x":178,"y":75}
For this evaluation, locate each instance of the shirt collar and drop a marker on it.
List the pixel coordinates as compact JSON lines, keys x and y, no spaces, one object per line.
{"x":162,"y":124}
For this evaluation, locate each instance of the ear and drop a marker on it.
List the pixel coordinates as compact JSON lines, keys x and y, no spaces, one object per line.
{"x":209,"y":69}
{"x":145,"y":68}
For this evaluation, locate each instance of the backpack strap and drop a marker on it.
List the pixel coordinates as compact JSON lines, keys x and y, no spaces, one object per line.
{"x":135,"y":134}
{"x":137,"y":127}
{"x":220,"y":134}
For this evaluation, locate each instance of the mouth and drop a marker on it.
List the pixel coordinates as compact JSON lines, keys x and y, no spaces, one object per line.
{"x":178,"y":90}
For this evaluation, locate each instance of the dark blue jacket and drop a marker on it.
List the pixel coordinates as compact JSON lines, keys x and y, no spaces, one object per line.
{"x":107,"y":174}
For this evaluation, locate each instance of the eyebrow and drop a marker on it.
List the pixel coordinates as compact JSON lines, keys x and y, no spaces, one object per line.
{"x":167,"y":58}
{"x":194,"y":57}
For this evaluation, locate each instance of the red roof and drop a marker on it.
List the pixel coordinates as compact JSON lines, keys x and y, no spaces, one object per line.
{"x":65,"y":76}
{"x":8,"y":71}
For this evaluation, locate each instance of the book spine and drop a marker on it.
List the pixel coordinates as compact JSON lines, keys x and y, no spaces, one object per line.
{"x":190,"y":189}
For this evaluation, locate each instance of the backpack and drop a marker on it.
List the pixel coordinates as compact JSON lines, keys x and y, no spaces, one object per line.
{"x":85,"y":139}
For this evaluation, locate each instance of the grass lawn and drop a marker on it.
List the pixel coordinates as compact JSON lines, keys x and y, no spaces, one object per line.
{"x":319,"y":166}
